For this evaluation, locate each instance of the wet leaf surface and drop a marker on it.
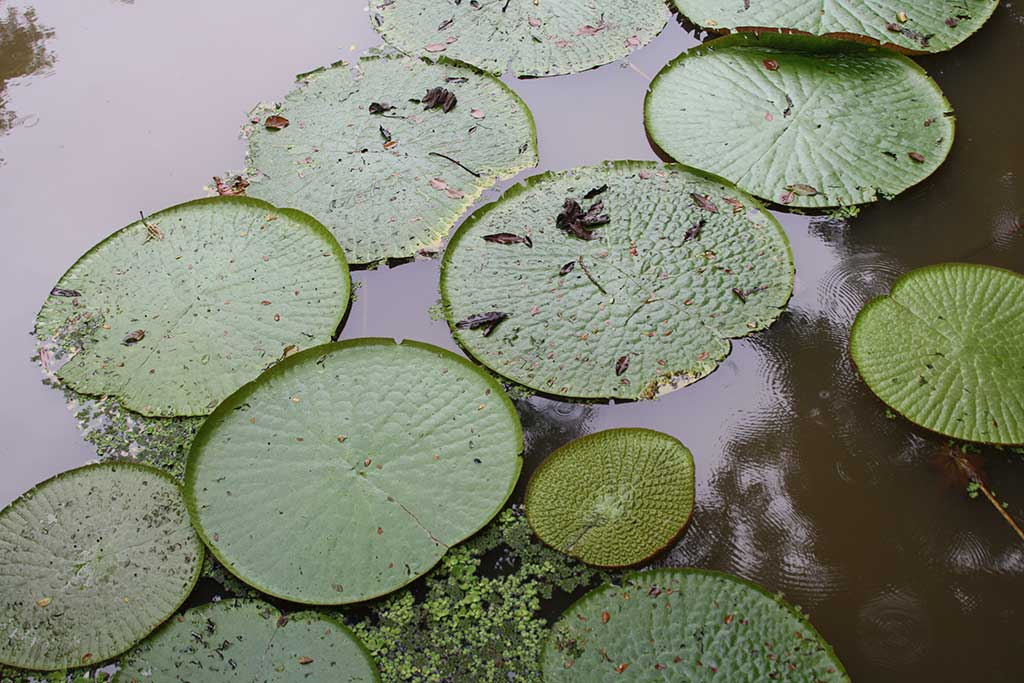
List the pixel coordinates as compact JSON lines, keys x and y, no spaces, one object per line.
{"x":534,"y":38}
{"x":919,"y":26}
{"x":614,"y":498}
{"x":333,"y":165}
{"x":652,"y":285}
{"x":831,"y":126}
{"x":394,"y":477}
{"x":686,"y":625}
{"x":91,"y":561}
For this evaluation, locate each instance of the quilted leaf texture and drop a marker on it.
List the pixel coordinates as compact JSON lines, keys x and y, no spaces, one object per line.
{"x":614,"y":498}
{"x":945,"y":349}
{"x":686,"y":625}
{"x":801,"y":121}
{"x":643,"y":303}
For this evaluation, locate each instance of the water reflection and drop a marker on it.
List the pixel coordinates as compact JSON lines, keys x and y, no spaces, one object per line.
{"x":22,"y":53}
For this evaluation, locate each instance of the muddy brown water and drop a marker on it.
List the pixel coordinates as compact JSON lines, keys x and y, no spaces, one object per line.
{"x":804,"y":484}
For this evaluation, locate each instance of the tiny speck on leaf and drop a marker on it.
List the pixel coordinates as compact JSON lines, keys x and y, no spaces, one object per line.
{"x":276,"y":122}
{"x":305,"y":660}
{"x":916,"y":156}
{"x":771,"y":64}
{"x":134,"y":337}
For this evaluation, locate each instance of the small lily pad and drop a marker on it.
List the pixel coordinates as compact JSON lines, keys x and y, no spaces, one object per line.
{"x":390,"y":153}
{"x":348,"y":470}
{"x":801,"y":121}
{"x":629,"y":293}
{"x":946,"y":350}
{"x":530,"y":38}
{"x":686,"y":625}
{"x":614,"y":498}
{"x":185,"y":305}
{"x":247,"y":641}
{"x":919,"y":26}
{"x":91,"y":561}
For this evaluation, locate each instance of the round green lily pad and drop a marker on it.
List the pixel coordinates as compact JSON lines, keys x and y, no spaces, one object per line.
{"x":919,"y":26}
{"x":529,"y":38}
{"x":623,"y":280}
{"x":945,"y":349}
{"x":389,"y":154}
{"x":348,"y":470}
{"x":247,"y":641}
{"x":91,"y":561}
{"x":614,"y":498}
{"x":182,"y":307}
{"x":686,"y":625}
{"x":801,"y":121}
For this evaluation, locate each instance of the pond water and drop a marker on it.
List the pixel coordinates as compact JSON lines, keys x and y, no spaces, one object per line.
{"x":803,"y":484}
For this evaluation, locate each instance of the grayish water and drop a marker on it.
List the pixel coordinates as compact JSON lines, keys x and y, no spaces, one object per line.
{"x":108,"y":108}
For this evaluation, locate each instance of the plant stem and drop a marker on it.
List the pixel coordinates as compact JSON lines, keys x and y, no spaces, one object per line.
{"x":1006,"y":515}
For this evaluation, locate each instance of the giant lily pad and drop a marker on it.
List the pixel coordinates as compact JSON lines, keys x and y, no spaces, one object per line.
{"x":799,"y":120}
{"x":91,"y":561}
{"x":686,"y":625}
{"x":920,"y":26}
{"x":248,"y":641}
{"x":181,"y":308}
{"x":946,"y":349}
{"x":613,"y":498}
{"x":348,"y":470}
{"x":389,"y":155}
{"x":530,"y":38}
{"x":633,"y":278}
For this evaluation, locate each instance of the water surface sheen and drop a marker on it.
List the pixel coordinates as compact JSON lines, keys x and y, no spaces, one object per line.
{"x":804,"y":485}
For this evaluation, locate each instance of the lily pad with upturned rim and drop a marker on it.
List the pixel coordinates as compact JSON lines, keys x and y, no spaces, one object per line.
{"x":915,"y":27}
{"x":686,"y":624}
{"x":348,"y":470}
{"x":530,"y":38}
{"x":91,"y":561}
{"x":186,"y":305}
{"x":945,"y":349}
{"x":248,"y":641}
{"x":801,"y":121}
{"x":684,"y":263}
{"x":614,"y":498}
{"x":388,"y":169}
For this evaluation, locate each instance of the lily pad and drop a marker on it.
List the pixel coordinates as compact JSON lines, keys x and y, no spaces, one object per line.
{"x":247,"y":641}
{"x":686,"y":625}
{"x":920,"y":26}
{"x":91,"y":561}
{"x":529,"y":38}
{"x":636,"y":277}
{"x":348,"y":470}
{"x":183,"y":307}
{"x":801,"y":121}
{"x":614,"y":498}
{"x":946,"y":350}
{"x":389,"y":154}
